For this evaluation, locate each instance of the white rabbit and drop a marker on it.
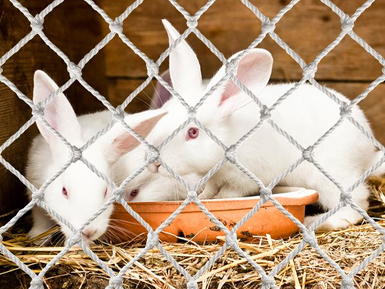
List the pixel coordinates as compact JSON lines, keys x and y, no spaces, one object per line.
{"x":148,"y":187}
{"x":77,"y":193}
{"x":229,"y":113}
{"x":160,"y":188}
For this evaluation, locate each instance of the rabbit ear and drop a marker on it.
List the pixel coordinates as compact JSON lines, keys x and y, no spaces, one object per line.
{"x":123,"y":141}
{"x":253,"y":71}
{"x":161,"y":95}
{"x":58,"y":113}
{"x":185,"y":70}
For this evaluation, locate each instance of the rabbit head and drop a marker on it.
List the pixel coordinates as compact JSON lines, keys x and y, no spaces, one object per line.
{"x":78,"y":193}
{"x":192,"y":150}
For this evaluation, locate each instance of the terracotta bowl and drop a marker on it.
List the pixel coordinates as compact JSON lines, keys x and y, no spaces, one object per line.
{"x":193,"y":224}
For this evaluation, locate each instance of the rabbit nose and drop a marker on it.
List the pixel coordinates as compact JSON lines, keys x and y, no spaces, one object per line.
{"x":88,"y":233}
{"x":154,"y":167}
{"x":157,"y":164}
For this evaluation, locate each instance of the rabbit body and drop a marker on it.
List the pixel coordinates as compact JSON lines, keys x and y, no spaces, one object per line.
{"x":77,"y":193}
{"x":228,"y":113}
{"x":43,"y":164}
{"x":306,"y":115}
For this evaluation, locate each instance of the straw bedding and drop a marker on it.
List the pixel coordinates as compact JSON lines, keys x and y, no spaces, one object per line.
{"x":308,"y":270}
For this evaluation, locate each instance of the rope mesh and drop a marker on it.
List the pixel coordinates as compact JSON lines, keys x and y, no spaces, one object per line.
{"x":116,"y":30}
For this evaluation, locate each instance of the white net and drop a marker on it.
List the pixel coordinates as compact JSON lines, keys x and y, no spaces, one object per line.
{"x":75,"y":71}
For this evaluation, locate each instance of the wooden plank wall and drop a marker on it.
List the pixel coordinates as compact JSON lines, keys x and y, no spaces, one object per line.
{"x":308,"y":28}
{"x":63,"y":28}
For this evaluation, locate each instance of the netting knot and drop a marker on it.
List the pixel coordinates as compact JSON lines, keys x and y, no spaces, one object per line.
{"x":116,"y":282}
{"x":265,"y":113}
{"x":309,"y":70}
{"x":231,"y":239}
{"x":310,"y":238}
{"x":268,"y":282}
{"x":152,"y":240}
{"x":118,"y":114}
{"x":76,"y":154}
{"x":152,"y":154}
{"x":37,"y":24}
{"x":192,"y":284}
{"x":347,"y":283}
{"x":191,"y":195}
{"x":38,"y":196}
{"x":119,"y":193}
{"x":346,"y":198}
{"x":152,"y":69}
{"x":265,"y":194}
{"x":231,"y":66}
{"x":192,"y":22}
{"x":37,"y":283}
{"x":1,"y":70}
{"x":268,"y":27}
{"x":74,"y":70}
{"x":75,"y":238}
{"x":231,"y":154}
{"x":308,"y":154}
{"x":347,"y":24}
{"x":116,"y":27}
{"x":192,"y":113}
{"x":38,"y":110}
{"x":345,"y":109}
{"x":382,"y":70}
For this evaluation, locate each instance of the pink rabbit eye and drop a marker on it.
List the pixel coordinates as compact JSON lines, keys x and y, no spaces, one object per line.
{"x":133,"y":194}
{"x":64,"y":192}
{"x":105,"y":193}
{"x":192,"y":133}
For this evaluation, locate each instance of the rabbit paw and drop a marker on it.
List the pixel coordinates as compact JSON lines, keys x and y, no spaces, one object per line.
{"x":340,"y":220}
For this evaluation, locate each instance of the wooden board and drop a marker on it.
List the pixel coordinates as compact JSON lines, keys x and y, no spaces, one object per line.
{"x":308,"y":29}
{"x":62,"y":28}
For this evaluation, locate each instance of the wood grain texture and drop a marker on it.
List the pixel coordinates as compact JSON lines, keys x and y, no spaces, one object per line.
{"x":308,"y":29}
{"x":62,"y":27}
